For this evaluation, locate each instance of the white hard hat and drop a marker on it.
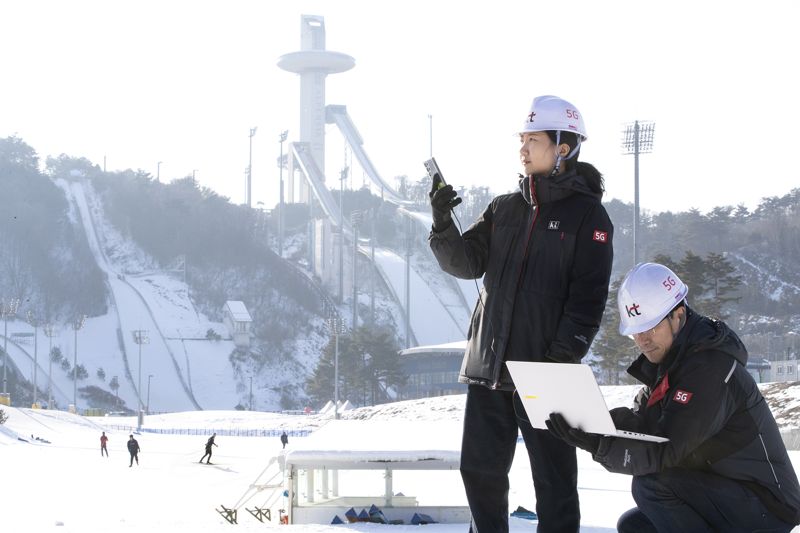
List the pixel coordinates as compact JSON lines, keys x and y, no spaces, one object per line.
{"x":553,"y":113}
{"x":647,"y":294}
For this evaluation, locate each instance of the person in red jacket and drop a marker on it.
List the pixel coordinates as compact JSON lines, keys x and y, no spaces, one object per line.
{"x":103,"y":441}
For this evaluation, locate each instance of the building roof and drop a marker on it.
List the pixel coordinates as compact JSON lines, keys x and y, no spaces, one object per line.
{"x":238,"y":311}
{"x":448,"y":347}
{"x":350,"y":445}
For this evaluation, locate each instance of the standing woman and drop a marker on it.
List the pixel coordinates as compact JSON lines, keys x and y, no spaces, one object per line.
{"x":545,"y":255}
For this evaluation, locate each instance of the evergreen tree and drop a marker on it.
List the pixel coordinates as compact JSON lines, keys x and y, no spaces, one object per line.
{"x":614,"y":352}
{"x":56,"y":355}
{"x":692,"y":271}
{"x":369,"y":367}
{"x":723,"y":281}
{"x":114,"y":385}
{"x":381,"y":370}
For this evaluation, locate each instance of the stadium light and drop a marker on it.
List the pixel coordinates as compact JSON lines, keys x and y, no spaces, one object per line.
{"x":637,"y":138}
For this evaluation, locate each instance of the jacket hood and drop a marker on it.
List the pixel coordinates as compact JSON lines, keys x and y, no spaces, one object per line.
{"x":699,"y":334}
{"x":551,"y":189}
{"x":713,"y":334}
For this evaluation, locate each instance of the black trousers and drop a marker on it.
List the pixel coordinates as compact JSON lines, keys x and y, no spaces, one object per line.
{"x":690,"y":501}
{"x":491,"y":423}
{"x":207,"y":454}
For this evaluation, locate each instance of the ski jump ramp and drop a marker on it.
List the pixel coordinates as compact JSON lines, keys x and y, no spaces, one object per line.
{"x":440,"y":306}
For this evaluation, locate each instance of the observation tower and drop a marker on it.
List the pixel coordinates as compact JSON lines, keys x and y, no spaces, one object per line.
{"x":313,"y":63}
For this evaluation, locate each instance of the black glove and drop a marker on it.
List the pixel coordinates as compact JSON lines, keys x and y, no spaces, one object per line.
{"x":443,"y":199}
{"x":559,"y":427}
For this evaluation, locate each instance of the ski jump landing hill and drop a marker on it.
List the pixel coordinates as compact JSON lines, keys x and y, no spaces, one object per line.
{"x":440,"y":305}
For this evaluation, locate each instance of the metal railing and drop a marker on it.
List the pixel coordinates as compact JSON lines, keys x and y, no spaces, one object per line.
{"x":233,"y":432}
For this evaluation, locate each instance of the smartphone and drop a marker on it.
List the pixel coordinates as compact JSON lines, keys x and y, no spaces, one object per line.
{"x":433,"y":169}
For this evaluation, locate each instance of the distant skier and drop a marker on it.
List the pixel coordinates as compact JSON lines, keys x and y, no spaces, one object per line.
{"x":209,"y":444}
{"x":133,"y":448}
{"x":103,"y":441}
{"x":284,"y":439}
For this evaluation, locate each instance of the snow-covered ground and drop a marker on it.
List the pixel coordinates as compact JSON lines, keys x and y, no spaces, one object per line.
{"x":66,"y":486}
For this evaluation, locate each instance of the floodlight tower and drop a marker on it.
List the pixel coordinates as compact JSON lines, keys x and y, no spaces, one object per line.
{"x":313,"y":63}
{"x":8,"y":308}
{"x":637,"y":138}
{"x":336,"y":327}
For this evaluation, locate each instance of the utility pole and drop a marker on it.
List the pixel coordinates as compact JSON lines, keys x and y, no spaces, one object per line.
{"x":77,"y":325}
{"x":249,"y":193}
{"x":336,"y":327}
{"x":342,"y":178}
{"x":251,"y":393}
{"x":7,"y":309}
{"x":372,"y":270}
{"x":149,"y":377}
{"x":35,"y":323}
{"x":355,"y":220}
{"x":140,"y":337}
{"x":283,"y":136}
{"x":408,"y":281}
{"x":50,"y":332}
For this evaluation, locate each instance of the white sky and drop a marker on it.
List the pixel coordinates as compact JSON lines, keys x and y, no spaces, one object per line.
{"x":183,"y":81}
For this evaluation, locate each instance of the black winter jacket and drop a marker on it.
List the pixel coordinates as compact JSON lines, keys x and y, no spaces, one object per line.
{"x":133,"y":446}
{"x":703,"y":399}
{"x":546,"y":260}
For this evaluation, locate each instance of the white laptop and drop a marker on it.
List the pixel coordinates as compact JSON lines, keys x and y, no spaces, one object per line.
{"x":568,"y":389}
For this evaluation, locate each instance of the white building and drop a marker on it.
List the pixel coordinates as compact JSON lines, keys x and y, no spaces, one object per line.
{"x":237,"y":319}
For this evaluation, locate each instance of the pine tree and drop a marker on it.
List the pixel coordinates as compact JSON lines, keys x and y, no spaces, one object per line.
{"x":368,"y":366}
{"x":692,"y":271}
{"x":614,"y":352}
{"x":382,"y":369}
{"x":723,"y":282}
{"x":114,"y":385}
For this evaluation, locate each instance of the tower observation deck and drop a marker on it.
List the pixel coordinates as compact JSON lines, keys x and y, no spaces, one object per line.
{"x":313,"y":63}
{"x":442,"y":308}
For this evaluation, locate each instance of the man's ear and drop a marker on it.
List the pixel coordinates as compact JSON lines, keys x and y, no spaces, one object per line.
{"x":681,"y":316}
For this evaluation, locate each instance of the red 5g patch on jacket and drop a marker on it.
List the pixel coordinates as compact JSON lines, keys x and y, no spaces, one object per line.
{"x":681,"y":396}
{"x":600,"y":236}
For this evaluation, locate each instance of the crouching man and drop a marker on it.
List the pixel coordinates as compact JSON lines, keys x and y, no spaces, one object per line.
{"x":725,"y":467}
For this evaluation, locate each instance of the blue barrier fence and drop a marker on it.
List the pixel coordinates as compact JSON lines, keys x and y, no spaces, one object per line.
{"x":234,"y":432}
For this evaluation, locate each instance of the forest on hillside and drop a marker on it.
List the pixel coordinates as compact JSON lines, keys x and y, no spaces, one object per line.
{"x":740,"y":263}
{"x":46,"y":266}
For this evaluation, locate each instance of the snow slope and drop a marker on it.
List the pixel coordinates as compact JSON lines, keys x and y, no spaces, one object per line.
{"x":67,"y":487}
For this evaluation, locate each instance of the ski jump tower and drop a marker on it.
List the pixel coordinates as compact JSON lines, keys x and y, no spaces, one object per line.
{"x":313,"y":63}
{"x":333,"y":243}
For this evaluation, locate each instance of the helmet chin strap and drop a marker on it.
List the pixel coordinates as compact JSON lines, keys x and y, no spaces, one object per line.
{"x":559,"y":157}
